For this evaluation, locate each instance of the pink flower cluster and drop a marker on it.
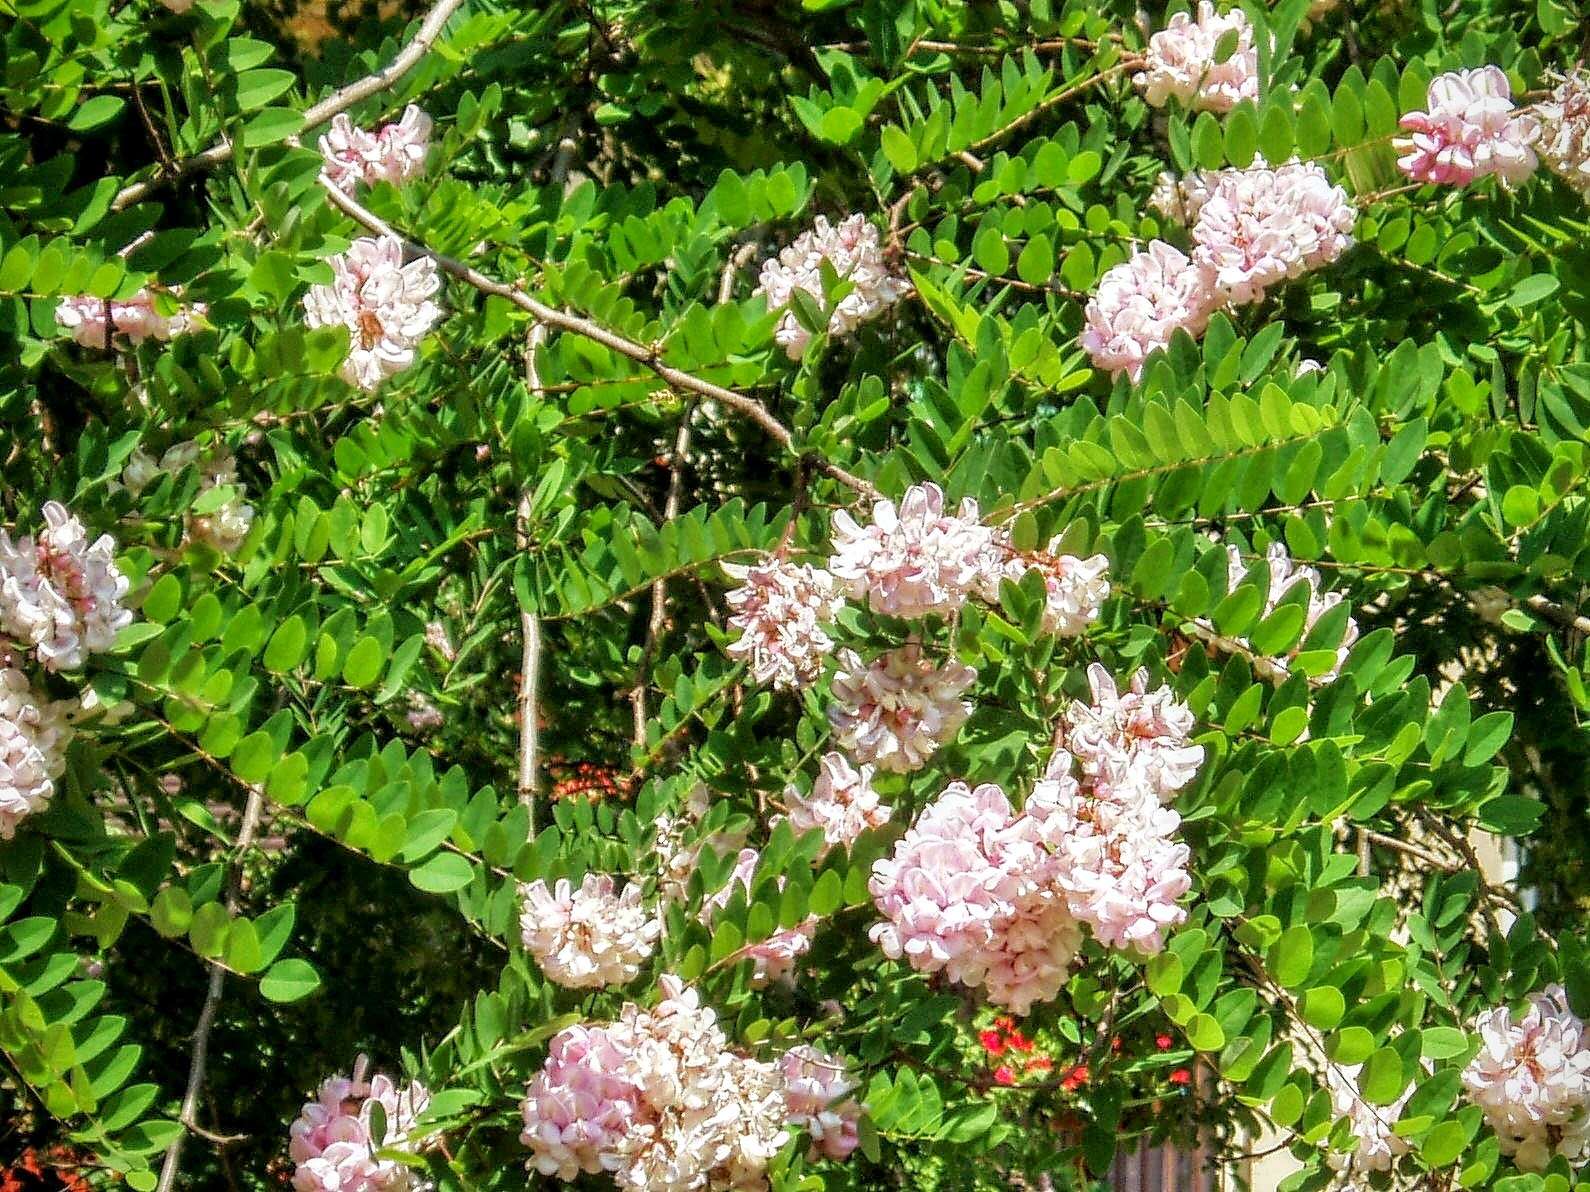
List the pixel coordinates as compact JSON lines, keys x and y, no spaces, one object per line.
{"x":895,"y":712}
{"x":657,"y":1100}
{"x":1284,"y":574}
{"x":1471,"y":131}
{"x":332,"y":1141}
{"x":588,"y":937}
{"x":817,"y":1096}
{"x":1565,"y":131}
{"x":394,"y":153}
{"x":782,"y":610}
{"x":1074,"y":589}
{"x":386,"y":306}
{"x":842,"y":804}
{"x":34,"y":734}
{"x":1180,"y":62}
{"x":773,"y":959}
{"x":1251,"y":230}
{"x":914,"y":559}
{"x":1139,"y":739}
{"x":1376,"y":1144}
{"x":95,"y":322}
{"x":852,"y":251}
{"x":966,"y":892}
{"x":1531,"y":1078}
{"x":61,"y":595}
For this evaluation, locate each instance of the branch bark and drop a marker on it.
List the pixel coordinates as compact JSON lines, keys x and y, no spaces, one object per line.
{"x":529,"y":630}
{"x":252,"y":812}
{"x":335,"y":104}
{"x":650,"y":357}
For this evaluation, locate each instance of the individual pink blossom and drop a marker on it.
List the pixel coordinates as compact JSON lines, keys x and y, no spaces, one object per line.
{"x":1260,"y":226}
{"x":96,"y":322}
{"x":852,"y":250}
{"x":817,"y":1096}
{"x":914,"y":559}
{"x":61,"y":595}
{"x":1471,"y":131}
{"x":1531,"y":1079}
{"x":1565,"y":131}
{"x":1376,"y":1144}
{"x":34,"y":734}
{"x":842,"y":804}
{"x":1179,"y":200}
{"x":395,"y":153}
{"x":1180,"y":62}
{"x":588,"y":937}
{"x":1141,"y":303}
{"x":332,"y":1141}
{"x":895,"y":712}
{"x":1074,"y":589}
{"x":582,"y":1111}
{"x":782,"y":611}
{"x":773,"y":958}
{"x":386,"y":306}
{"x":1140,"y":737}
{"x":1284,"y":576}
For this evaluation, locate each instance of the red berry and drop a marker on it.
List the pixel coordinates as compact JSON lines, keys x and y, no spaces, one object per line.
{"x":1163,"y":1042}
{"x":1181,"y":1076}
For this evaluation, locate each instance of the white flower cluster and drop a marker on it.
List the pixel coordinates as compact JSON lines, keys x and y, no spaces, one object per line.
{"x":1138,"y":739}
{"x":224,"y":528}
{"x":96,"y":322}
{"x":394,"y":153}
{"x":1180,"y":62}
{"x":34,"y":734}
{"x":773,"y":959}
{"x":588,"y":937}
{"x":817,"y":1096}
{"x":913,"y":560}
{"x":332,"y":1141}
{"x":386,"y":306}
{"x":895,"y":712}
{"x":1471,"y":131}
{"x":1531,"y":1079}
{"x":1565,"y":131}
{"x":657,"y":1100}
{"x":61,"y":595}
{"x":781,"y":610}
{"x":851,"y":249}
{"x":1141,"y":303}
{"x":1284,"y":574}
{"x":1074,"y":589}
{"x":1376,"y":1144}
{"x":842,"y":804}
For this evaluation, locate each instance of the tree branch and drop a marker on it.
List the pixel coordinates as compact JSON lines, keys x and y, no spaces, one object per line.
{"x":748,"y":407}
{"x":529,"y":627}
{"x":334,"y":104}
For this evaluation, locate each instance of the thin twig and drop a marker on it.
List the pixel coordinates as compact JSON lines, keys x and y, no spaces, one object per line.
{"x":659,"y":588}
{"x":334,"y":104}
{"x":187,"y":1118}
{"x":529,"y":626}
{"x":651,"y":357}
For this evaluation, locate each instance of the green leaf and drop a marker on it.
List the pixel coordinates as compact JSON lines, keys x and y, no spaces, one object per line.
{"x":1382,"y":1079}
{"x":289,"y":980}
{"x":101,"y":109}
{"x":1292,"y":957}
{"x":443,"y":874}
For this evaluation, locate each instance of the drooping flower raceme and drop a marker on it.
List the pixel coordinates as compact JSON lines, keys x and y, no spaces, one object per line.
{"x":1284,"y":574}
{"x":590,"y":936}
{"x":1260,"y":226}
{"x":782,"y":611}
{"x":914,"y":559}
{"x":1074,"y":589}
{"x":1376,"y":1143}
{"x":96,"y":322}
{"x":1565,"y":131}
{"x":1141,"y":303}
{"x":386,"y":306}
{"x":657,"y":1100}
{"x":773,"y":958}
{"x":853,"y":252}
{"x":1139,"y":738}
{"x":34,"y":734}
{"x":817,"y":1096}
{"x":842,"y":804}
{"x":895,"y":712}
{"x":1531,"y":1078}
{"x":224,"y":527}
{"x":61,"y":595}
{"x":1471,"y":131}
{"x":394,"y":153}
{"x":332,"y":1141}
{"x":1180,"y":62}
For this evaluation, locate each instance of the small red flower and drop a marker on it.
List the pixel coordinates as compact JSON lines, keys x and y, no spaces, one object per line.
{"x":1040,"y":1063}
{"x":1005,"y":1023}
{"x":1115,"y":1044}
{"x":1019,"y":1041}
{"x":1163,"y":1042}
{"x":1003,"y":1075}
{"x":1075,"y":1078}
{"x":992,"y":1042}
{"x":1181,"y":1076}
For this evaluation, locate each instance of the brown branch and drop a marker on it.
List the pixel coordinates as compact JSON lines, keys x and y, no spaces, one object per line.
{"x":748,"y":407}
{"x":529,"y":626}
{"x":1555,"y":612}
{"x":659,"y":588}
{"x":334,"y":104}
